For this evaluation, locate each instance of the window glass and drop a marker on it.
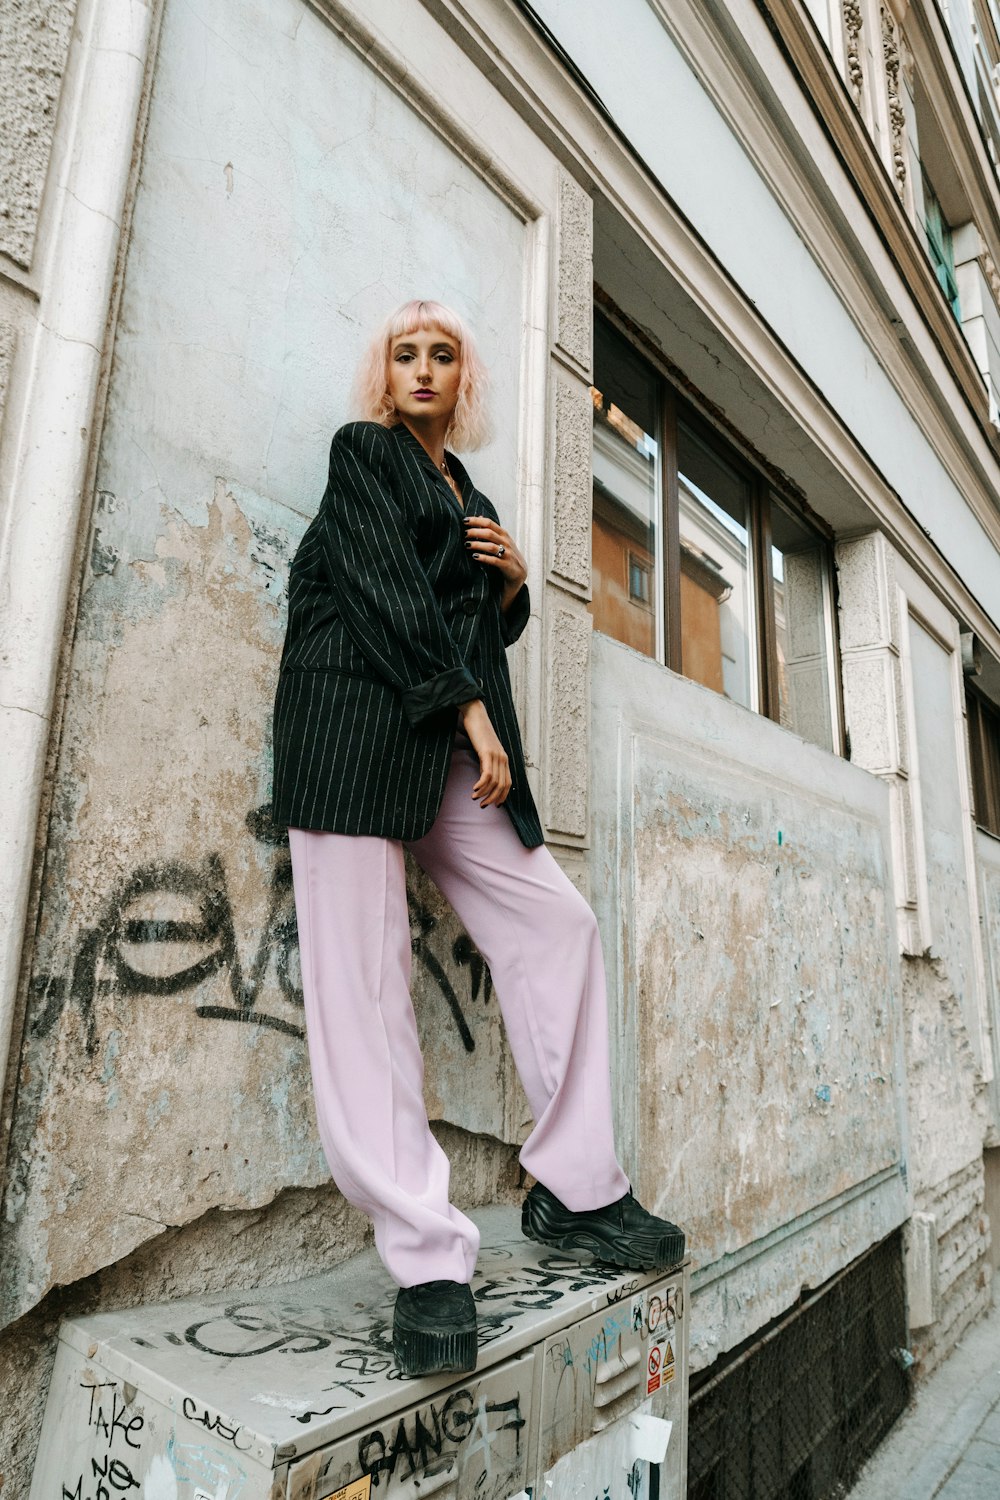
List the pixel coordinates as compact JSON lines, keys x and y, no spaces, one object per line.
{"x":984,"y":751}
{"x":939,"y":245}
{"x":626,"y":490}
{"x":800,"y":616}
{"x":716,"y":582}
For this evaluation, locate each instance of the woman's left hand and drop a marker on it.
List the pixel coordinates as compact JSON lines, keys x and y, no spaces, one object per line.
{"x":485,"y":538}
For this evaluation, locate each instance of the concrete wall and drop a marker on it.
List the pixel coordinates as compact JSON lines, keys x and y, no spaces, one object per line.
{"x":788,"y":1087}
{"x":165,"y":953}
{"x":746,"y":897}
{"x":162,"y":1100}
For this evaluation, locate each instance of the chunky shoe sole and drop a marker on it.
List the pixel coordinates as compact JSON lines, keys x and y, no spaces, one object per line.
{"x":421,"y":1353}
{"x":547,"y":1223}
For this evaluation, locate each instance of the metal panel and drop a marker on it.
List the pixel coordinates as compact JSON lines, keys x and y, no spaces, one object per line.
{"x":293,"y":1390}
{"x":470,"y":1442}
{"x":630,"y":1355}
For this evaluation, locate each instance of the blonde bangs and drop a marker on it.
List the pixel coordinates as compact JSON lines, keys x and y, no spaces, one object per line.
{"x":371,"y":402}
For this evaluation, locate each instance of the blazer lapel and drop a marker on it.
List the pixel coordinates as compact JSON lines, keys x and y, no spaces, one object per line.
{"x":469,"y":492}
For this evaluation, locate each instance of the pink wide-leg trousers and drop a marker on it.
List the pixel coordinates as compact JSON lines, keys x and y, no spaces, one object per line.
{"x":541,"y":941}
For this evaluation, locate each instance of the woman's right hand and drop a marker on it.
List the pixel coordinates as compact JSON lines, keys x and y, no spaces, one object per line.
{"x":494,"y":770}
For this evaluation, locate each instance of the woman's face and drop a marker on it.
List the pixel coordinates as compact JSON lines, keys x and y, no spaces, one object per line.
{"x":425,"y":368}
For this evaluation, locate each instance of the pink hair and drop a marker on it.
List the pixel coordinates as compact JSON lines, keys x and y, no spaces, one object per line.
{"x":469,"y":427}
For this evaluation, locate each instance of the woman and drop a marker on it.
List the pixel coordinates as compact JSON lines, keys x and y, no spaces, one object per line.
{"x":395,"y":728}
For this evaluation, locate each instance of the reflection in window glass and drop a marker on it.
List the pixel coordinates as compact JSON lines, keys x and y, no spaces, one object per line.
{"x":716,"y":583}
{"x":625,"y":493}
{"x":800,"y":618}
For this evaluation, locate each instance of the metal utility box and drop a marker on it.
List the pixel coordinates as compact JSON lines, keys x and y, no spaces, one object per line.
{"x":292,"y":1393}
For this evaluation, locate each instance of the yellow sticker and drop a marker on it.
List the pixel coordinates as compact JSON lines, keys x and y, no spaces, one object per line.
{"x":358,"y":1489}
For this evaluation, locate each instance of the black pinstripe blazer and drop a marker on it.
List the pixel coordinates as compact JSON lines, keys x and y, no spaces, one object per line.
{"x":391,"y":624}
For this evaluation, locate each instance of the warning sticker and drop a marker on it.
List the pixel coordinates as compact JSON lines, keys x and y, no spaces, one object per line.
{"x":358,"y":1489}
{"x":654,"y":1368}
{"x":661,"y":1366}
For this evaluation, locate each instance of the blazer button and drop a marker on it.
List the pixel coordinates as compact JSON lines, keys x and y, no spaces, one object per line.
{"x":479,"y":682}
{"x":470,"y":606}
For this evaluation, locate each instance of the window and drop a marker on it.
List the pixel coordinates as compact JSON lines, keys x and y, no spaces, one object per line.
{"x":698,"y":561}
{"x":638,"y":579}
{"x":984,"y":753}
{"x":939,"y":246}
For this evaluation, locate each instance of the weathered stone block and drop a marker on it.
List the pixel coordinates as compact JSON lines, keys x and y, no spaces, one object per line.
{"x":922,"y":1287}
{"x":567,"y":763}
{"x":34,"y":40}
{"x":574,"y":272}
{"x":572,"y":501}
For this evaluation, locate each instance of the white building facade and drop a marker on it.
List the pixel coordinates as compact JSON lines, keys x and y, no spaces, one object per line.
{"x":734,"y":269}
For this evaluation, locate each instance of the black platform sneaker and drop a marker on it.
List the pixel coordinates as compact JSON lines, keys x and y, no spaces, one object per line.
{"x":622,"y":1234}
{"x":434,"y":1328}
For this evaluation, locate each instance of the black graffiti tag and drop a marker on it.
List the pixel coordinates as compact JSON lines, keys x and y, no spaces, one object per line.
{"x":418,"y":1443}
{"x":124,"y":934}
{"x":111,"y":1474}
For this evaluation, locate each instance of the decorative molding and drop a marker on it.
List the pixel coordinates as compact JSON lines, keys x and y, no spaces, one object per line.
{"x":852,"y":35}
{"x":897,"y":114}
{"x":990,"y":273}
{"x":891,"y":254}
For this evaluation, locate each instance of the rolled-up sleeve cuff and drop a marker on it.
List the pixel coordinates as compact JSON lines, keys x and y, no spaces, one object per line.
{"x":515,"y":617}
{"x":446,"y":690}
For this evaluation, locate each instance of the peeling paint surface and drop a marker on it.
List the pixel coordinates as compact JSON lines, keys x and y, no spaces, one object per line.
{"x":763,"y":997}
{"x":756,"y":982}
{"x":164,"y":1071}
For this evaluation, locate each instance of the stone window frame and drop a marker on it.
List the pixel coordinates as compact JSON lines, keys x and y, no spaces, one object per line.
{"x":675,"y":403}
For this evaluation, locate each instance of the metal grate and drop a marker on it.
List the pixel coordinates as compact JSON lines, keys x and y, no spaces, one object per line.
{"x":795,"y":1414}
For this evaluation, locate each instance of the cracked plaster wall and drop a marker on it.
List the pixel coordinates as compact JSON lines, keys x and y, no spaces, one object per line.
{"x":948,"y":1106}
{"x":165,"y":956}
{"x":299,"y":1233}
{"x":949,"y":1117}
{"x":746,"y":878}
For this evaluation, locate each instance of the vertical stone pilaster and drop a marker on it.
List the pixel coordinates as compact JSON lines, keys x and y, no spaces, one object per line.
{"x":567,"y":764}
{"x":575,"y":272}
{"x":33,"y":53}
{"x":572,"y":485}
{"x":875,"y":701}
{"x":567,"y":624}
{"x":8,"y":342}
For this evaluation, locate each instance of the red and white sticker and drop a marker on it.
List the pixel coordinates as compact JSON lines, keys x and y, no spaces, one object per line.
{"x":661,"y":1367}
{"x":654,"y":1368}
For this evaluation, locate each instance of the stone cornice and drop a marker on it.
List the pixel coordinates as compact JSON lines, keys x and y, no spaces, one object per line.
{"x":566,"y":116}
{"x":844,"y":126}
{"x":930,"y":41}
{"x":919,"y":349}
